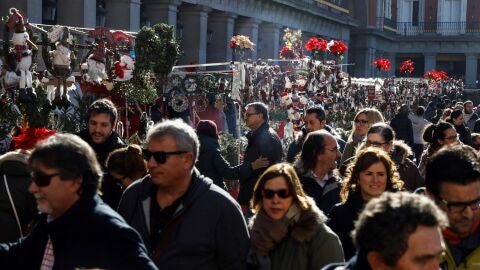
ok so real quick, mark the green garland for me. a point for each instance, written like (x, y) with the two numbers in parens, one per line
(141, 88)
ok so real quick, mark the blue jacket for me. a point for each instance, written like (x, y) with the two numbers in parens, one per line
(209, 231)
(89, 235)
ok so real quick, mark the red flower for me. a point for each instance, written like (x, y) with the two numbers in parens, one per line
(232, 44)
(287, 53)
(382, 64)
(314, 44)
(29, 137)
(337, 47)
(407, 66)
(436, 75)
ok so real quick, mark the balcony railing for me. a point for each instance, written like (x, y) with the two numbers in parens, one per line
(441, 28)
(386, 23)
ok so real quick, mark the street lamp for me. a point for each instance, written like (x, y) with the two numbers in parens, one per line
(49, 11)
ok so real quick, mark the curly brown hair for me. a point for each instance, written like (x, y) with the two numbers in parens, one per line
(363, 160)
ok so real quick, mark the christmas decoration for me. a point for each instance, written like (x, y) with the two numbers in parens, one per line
(382, 64)
(318, 46)
(407, 67)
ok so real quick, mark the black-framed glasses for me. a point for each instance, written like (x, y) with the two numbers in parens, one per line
(375, 144)
(42, 180)
(160, 156)
(363, 122)
(459, 207)
(282, 193)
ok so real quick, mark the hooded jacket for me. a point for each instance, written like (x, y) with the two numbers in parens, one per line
(208, 228)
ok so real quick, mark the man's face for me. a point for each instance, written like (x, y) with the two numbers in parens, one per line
(468, 108)
(330, 154)
(424, 250)
(460, 221)
(57, 197)
(100, 127)
(312, 123)
(176, 167)
(253, 119)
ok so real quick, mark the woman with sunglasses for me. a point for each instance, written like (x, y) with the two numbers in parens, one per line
(437, 136)
(370, 174)
(361, 123)
(288, 231)
(382, 135)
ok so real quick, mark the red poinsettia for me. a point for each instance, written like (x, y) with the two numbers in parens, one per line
(287, 53)
(382, 64)
(337, 47)
(436, 75)
(29, 137)
(315, 44)
(407, 66)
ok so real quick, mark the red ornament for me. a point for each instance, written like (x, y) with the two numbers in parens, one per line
(382, 64)
(407, 66)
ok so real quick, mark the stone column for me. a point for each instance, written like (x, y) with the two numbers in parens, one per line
(471, 68)
(370, 57)
(219, 33)
(80, 13)
(162, 11)
(249, 27)
(194, 40)
(268, 40)
(123, 14)
(430, 61)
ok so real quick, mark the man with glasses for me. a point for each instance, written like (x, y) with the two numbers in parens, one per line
(75, 228)
(186, 221)
(263, 141)
(453, 182)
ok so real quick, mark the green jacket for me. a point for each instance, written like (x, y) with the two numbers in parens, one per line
(472, 262)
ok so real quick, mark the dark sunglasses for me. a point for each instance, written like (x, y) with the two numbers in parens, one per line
(160, 156)
(42, 180)
(282, 193)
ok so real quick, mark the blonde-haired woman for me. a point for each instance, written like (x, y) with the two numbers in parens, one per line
(362, 121)
(370, 174)
(288, 231)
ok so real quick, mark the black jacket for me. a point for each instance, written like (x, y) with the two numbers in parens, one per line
(103, 149)
(212, 164)
(261, 142)
(89, 235)
(325, 197)
(341, 220)
(402, 125)
(464, 134)
(208, 228)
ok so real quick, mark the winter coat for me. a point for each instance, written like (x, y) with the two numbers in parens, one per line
(212, 164)
(103, 149)
(261, 142)
(208, 230)
(325, 197)
(350, 148)
(14, 169)
(341, 220)
(471, 261)
(471, 121)
(402, 125)
(464, 134)
(425, 159)
(418, 124)
(89, 235)
(309, 243)
(357, 262)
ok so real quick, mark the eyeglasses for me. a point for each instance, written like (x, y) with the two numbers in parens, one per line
(452, 138)
(459, 207)
(42, 180)
(375, 144)
(363, 122)
(335, 149)
(250, 114)
(282, 193)
(160, 156)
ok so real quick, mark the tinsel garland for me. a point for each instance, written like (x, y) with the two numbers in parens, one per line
(141, 88)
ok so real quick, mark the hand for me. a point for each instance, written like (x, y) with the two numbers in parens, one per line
(260, 162)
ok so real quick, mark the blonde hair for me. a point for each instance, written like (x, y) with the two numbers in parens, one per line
(373, 116)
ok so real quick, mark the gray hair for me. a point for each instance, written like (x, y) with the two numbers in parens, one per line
(183, 134)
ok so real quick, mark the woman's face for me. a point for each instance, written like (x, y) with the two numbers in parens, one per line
(373, 181)
(458, 121)
(361, 125)
(277, 197)
(450, 136)
(376, 140)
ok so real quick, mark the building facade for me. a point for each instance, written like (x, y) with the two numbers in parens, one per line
(435, 34)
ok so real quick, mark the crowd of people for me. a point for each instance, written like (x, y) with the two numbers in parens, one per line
(398, 194)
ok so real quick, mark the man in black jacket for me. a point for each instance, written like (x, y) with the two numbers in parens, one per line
(75, 228)
(186, 221)
(101, 136)
(263, 141)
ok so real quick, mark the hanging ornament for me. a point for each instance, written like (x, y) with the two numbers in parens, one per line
(178, 101)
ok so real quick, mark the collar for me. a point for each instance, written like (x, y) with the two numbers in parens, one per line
(317, 179)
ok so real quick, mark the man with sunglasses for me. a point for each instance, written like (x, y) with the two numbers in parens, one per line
(101, 136)
(75, 229)
(186, 221)
(453, 182)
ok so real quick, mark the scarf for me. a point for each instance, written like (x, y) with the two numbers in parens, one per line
(455, 238)
(266, 232)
